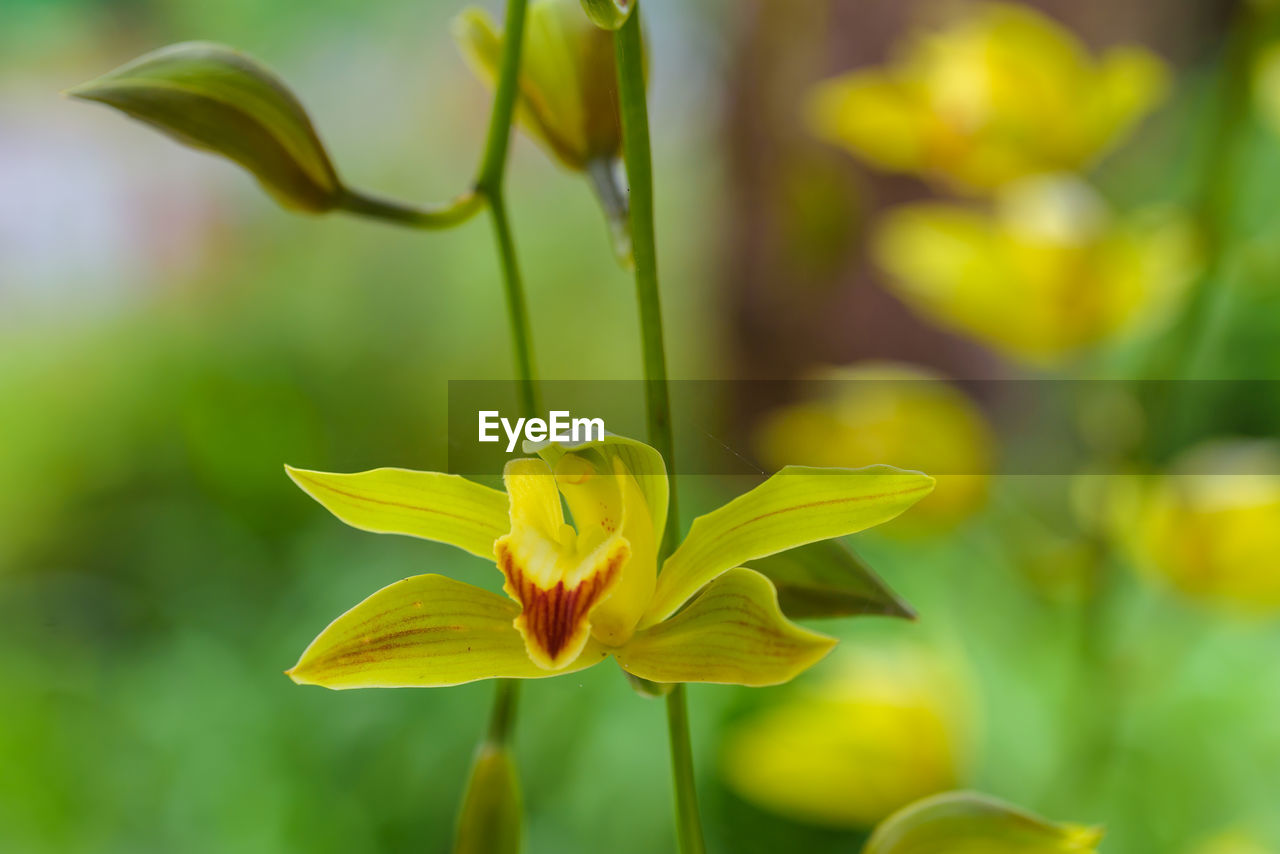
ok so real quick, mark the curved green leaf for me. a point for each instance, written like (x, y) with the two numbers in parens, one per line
(828, 579)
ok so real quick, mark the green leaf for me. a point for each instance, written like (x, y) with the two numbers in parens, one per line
(967, 822)
(797, 506)
(216, 99)
(732, 634)
(827, 579)
(490, 818)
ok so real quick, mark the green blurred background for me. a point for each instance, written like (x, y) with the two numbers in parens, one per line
(169, 338)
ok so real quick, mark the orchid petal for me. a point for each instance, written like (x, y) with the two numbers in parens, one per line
(643, 462)
(733, 633)
(424, 631)
(441, 507)
(556, 575)
(797, 506)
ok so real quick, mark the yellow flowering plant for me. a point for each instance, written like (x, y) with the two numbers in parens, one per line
(995, 93)
(577, 595)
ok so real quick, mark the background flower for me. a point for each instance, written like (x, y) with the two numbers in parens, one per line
(996, 92)
(888, 724)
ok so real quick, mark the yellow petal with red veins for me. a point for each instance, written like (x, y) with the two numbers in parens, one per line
(557, 576)
(603, 502)
(423, 631)
(733, 633)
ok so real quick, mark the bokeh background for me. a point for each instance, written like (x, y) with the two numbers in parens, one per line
(169, 338)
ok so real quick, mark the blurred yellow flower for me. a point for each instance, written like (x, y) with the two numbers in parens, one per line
(1266, 85)
(1211, 527)
(883, 731)
(998, 92)
(1048, 272)
(876, 411)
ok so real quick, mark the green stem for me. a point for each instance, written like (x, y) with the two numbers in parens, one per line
(629, 50)
(688, 822)
(493, 165)
(503, 714)
(490, 184)
(517, 313)
(454, 213)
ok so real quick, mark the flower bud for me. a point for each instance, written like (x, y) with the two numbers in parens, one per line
(962, 822)
(489, 821)
(568, 99)
(568, 94)
(216, 99)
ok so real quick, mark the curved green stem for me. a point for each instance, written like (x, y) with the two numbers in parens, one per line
(629, 50)
(493, 165)
(490, 184)
(517, 313)
(448, 215)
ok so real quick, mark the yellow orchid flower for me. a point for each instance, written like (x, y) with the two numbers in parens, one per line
(885, 728)
(999, 92)
(1046, 273)
(889, 411)
(1210, 528)
(576, 594)
(568, 94)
